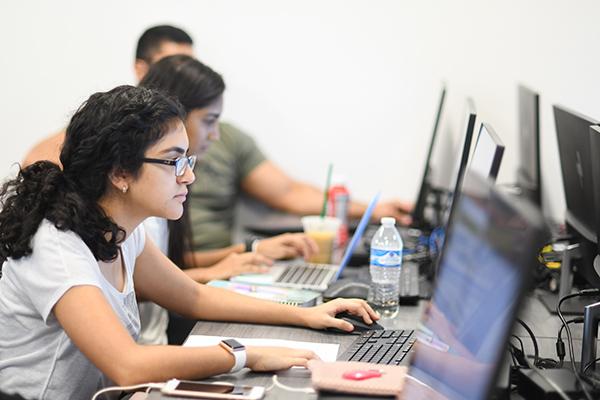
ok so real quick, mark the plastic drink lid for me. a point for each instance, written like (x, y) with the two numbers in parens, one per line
(388, 221)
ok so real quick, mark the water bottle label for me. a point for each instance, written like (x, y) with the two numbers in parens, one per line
(386, 258)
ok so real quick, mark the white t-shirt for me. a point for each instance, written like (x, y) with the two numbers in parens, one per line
(154, 318)
(37, 358)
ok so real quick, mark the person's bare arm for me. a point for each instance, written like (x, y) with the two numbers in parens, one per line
(206, 258)
(272, 186)
(94, 328)
(47, 149)
(232, 265)
(269, 184)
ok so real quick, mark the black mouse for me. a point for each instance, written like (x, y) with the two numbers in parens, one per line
(359, 324)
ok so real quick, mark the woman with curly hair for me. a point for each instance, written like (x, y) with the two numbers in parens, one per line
(75, 258)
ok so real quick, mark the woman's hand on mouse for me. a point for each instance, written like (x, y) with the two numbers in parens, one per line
(323, 316)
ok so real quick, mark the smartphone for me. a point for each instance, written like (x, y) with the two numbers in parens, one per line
(209, 390)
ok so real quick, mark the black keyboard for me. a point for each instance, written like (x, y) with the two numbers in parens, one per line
(381, 347)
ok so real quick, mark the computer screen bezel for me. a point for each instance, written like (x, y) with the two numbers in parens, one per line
(418, 214)
(498, 153)
(595, 144)
(574, 221)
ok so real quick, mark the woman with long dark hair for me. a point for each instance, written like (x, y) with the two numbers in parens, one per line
(200, 90)
(75, 258)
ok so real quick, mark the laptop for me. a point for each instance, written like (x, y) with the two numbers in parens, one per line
(302, 275)
(458, 347)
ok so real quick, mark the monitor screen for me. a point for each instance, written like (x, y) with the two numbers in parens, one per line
(595, 153)
(528, 168)
(573, 134)
(487, 154)
(460, 159)
(419, 211)
(483, 273)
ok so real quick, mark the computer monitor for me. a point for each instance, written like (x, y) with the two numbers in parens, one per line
(484, 272)
(488, 152)
(573, 134)
(595, 153)
(461, 159)
(418, 214)
(529, 176)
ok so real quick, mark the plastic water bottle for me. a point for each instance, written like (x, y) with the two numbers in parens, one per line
(386, 263)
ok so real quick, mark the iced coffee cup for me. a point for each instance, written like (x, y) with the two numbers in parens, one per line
(323, 230)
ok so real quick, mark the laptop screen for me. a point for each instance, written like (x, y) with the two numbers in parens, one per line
(462, 334)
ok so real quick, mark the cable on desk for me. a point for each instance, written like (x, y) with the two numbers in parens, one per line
(585, 292)
(536, 350)
(289, 388)
(549, 381)
(590, 364)
(560, 345)
(126, 388)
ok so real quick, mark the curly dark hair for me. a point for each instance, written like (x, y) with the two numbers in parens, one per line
(109, 133)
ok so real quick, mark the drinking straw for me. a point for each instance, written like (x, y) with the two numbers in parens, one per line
(326, 193)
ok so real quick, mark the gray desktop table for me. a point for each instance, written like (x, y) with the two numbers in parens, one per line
(407, 319)
(544, 325)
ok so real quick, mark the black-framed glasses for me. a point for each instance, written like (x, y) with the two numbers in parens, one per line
(180, 163)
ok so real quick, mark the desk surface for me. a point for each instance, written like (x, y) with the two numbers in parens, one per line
(544, 325)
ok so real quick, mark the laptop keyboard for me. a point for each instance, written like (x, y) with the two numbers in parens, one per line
(381, 347)
(305, 274)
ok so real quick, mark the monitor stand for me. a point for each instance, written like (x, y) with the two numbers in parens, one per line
(572, 306)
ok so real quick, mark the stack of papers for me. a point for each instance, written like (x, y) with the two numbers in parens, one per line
(325, 351)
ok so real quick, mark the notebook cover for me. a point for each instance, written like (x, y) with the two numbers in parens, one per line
(295, 297)
(328, 376)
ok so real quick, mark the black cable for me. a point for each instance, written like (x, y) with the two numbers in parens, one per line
(517, 354)
(549, 381)
(577, 320)
(590, 364)
(586, 292)
(560, 346)
(536, 350)
(520, 342)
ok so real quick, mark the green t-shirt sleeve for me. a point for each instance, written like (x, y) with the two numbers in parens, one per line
(247, 153)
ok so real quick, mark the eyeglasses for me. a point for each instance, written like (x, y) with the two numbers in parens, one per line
(180, 163)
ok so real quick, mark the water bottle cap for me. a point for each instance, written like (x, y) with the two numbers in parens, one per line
(388, 221)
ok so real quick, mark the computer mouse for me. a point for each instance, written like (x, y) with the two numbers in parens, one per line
(348, 289)
(359, 324)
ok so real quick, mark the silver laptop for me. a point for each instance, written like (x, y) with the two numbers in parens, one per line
(302, 275)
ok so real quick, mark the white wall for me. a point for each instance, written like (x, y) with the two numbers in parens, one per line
(349, 82)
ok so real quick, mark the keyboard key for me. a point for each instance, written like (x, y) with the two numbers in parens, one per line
(384, 347)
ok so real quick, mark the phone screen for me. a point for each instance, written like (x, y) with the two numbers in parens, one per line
(214, 388)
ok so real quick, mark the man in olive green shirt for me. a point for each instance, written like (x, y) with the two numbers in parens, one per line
(234, 164)
(218, 186)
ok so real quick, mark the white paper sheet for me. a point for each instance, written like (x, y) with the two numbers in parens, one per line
(325, 351)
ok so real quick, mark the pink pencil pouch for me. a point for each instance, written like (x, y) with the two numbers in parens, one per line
(329, 376)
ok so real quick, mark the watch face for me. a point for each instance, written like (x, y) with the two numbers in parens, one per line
(234, 344)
